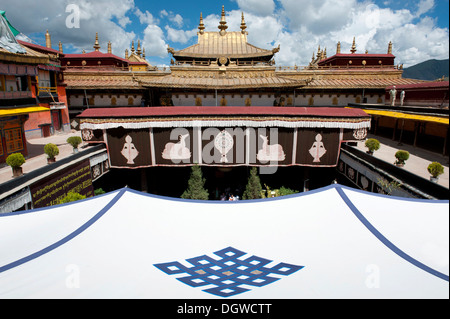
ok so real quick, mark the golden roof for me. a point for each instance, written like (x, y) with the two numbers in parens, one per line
(223, 44)
(231, 44)
(31, 56)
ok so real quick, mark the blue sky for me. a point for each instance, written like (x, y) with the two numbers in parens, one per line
(419, 29)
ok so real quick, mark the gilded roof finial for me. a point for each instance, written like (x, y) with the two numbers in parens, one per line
(138, 51)
(48, 41)
(109, 47)
(390, 48)
(132, 47)
(201, 26)
(126, 54)
(96, 45)
(60, 47)
(338, 49)
(243, 24)
(223, 23)
(353, 50)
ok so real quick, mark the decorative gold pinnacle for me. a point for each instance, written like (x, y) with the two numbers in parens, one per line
(390, 48)
(353, 50)
(201, 26)
(138, 51)
(338, 49)
(96, 45)
(48, 41)
(243, 24)
(223, 23)
(109, 47)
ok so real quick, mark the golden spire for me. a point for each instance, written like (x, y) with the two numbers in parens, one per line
(48, 41)
(96, 45)
(319, 53)
(243, 24)
(338, 49)
(138, 51)
(126, 54)
(60, 47)
(223, 23)
(353, 50)
(201, 26)
(109, 47)
(132, 47)
(390, 48)
(325, 53)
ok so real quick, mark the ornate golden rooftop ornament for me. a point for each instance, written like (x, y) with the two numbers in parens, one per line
(201, 26)
(319, 53)
(48, 41)
(96, 45)
(132, 47)
(390, 48)
(338, 49)
(243, 24)
(353, 50)
(60, 47)
(109, 47)
(223, 23)
(126, 54)
(276, 50)
(138, 51)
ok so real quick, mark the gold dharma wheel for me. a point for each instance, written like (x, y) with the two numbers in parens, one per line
(223, 60)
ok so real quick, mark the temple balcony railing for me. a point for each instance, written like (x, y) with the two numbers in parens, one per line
(112, 68)
(338, 67)
(47, 89)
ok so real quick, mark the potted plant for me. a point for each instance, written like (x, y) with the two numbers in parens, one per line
(372, 144)
(74, 141)
(51, 150)
(401, 156)
(15, 160)
(435, 169)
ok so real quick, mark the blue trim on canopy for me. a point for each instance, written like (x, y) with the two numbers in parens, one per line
(67, 238)
(385, 241)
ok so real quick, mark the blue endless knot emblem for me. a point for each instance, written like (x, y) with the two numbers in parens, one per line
(229, 273)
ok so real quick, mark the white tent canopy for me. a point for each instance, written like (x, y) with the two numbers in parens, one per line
(334, 242)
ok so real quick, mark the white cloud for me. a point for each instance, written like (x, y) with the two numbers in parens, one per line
(326, 22)
(145, 17)
(177, 19)
(180, 36)
(124, 21)
(424, 6)
(154, 42)
(257, 7)
(318, 17)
